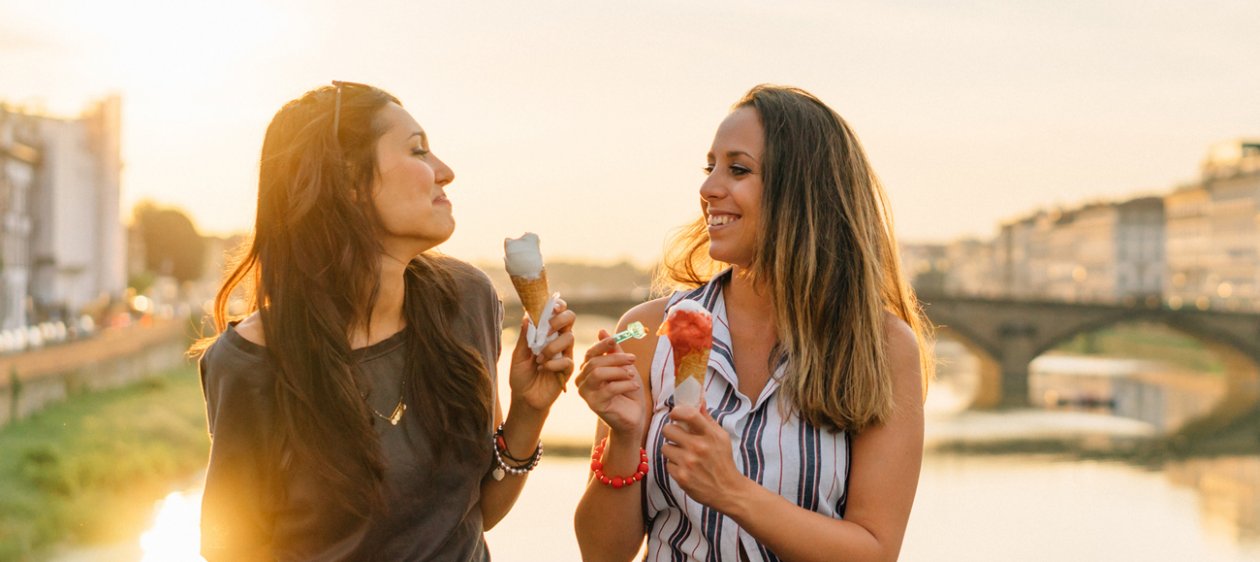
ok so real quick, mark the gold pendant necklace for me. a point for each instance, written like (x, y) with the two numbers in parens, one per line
(394, 417)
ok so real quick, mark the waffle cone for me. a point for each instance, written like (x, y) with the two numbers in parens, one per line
(533, 294)
(694, 365)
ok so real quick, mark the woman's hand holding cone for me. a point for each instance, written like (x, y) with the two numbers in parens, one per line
(699, 456)
(537, 381)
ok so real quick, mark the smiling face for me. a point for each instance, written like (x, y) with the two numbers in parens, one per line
(409, 192)
(731, 195)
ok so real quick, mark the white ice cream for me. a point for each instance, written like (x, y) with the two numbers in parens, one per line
(522, 256)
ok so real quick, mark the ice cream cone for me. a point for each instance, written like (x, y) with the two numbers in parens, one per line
(689, 327)
(692, 365)
(523, 260)
(533, 293)
(689, 372)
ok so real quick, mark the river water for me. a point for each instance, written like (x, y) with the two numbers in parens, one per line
(1009, 507)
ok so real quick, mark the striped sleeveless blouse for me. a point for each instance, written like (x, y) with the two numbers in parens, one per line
(805, 464)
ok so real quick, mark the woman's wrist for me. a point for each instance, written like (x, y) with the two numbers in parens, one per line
(521, 408)
(621, 452)
(740, 499)
(628, 437)
(613, 479)
(522, 429)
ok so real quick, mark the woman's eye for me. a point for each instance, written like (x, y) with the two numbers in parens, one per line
(739, 170)
(708, 169)
(420, 152)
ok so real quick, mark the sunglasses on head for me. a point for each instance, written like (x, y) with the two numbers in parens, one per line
(337, 104)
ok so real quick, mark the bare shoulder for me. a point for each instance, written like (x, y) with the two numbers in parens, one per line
(251, 329)
(650, 313)
(899, 336)
(903, 355)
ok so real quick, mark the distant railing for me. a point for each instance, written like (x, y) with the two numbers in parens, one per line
(18, 340)
(36, 378)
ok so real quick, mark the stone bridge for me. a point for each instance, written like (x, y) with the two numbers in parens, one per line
(1006, 335)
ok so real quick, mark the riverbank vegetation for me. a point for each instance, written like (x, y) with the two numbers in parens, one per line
(1215, 435)
(89, 470)
(1148, 341)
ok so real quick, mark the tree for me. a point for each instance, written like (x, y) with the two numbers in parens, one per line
(171, 243)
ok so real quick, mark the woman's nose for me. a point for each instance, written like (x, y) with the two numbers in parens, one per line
(442, 174)
(711, 188)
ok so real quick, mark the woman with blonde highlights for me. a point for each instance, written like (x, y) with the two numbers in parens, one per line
(352, 411)
(810, 439)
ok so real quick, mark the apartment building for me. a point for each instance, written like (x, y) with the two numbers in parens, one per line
(1213, 231)
(62, 246)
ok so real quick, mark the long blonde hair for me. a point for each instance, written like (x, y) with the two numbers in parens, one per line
(826, 253)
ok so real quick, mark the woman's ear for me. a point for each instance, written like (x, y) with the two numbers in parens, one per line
(360, 191)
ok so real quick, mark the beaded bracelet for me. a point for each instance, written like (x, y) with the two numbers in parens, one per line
(501, 451)
(597, 467)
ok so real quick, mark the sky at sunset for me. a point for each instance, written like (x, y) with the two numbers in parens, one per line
(590, 124)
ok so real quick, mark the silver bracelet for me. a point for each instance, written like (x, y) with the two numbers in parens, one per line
(499, 444)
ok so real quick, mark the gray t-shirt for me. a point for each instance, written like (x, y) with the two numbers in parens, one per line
(433, 509)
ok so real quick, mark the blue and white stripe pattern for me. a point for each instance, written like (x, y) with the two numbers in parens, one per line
(807, 465)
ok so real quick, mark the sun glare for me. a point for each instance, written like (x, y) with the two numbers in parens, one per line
(148, 43)
(176, 534)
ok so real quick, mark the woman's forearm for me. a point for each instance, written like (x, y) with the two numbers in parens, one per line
(609, 521)
(796, 534)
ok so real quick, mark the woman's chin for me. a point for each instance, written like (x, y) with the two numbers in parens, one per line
(739, 259)
(431, 243)
(416, 243)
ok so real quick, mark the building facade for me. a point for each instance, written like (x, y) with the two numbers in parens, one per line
(973, 268)
(63, 239)
(1100, 252)
(1214, 232)
(19, 164)
(1198, 246)
(1022, 256)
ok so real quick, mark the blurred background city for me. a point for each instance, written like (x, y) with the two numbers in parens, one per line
(1077, 190)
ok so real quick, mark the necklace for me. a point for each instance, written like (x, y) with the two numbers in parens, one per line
(399, 409)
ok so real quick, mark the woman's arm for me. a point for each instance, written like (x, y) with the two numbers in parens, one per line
(882, 479)
(615, 382)
(234, 525)
(534, 388)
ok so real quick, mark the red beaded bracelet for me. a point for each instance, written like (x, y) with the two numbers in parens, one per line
(597, 467)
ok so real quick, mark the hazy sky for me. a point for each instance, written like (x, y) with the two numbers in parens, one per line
(589, 124)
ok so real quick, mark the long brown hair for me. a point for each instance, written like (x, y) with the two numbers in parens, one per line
(826, 252)
(312, 271)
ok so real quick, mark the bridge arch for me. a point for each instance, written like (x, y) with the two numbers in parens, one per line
(1006, 335)
(988, 365)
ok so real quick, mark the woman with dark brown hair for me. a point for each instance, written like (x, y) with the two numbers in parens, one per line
(809, 439)
(353, 412)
